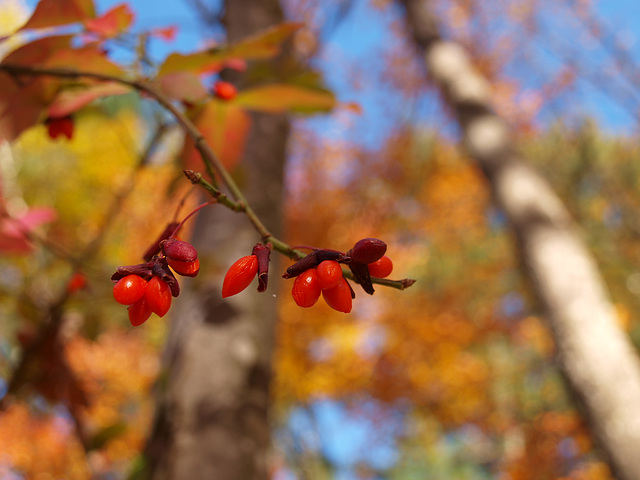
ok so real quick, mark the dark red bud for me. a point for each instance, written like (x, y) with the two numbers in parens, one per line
(367, 250)
(179, 250)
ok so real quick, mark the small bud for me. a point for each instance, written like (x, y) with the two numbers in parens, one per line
(262, 253)
(367, 250)
(179, 250)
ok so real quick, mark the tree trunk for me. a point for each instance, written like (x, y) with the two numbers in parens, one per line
(596, 356)
(213, 403)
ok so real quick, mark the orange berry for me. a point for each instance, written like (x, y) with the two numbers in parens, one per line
(158, 296)
(329, 274)
(224, 90)
(139, 312)
(129, 289)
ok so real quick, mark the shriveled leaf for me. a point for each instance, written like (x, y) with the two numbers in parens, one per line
(69, 101)
(112, 23)
(262, 45)
(184, 86)
(278, 98)
(225, 127)
(88, 59)
(52, 13)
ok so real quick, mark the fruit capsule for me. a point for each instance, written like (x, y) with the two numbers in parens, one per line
(129, 289)
(339, 297)
(367, 250)
(239, 276)
(306, 289)
(381, 268)
(329, 274)
(158, 296)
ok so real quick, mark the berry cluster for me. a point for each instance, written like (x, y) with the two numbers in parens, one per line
(319, 273)
(149, 287)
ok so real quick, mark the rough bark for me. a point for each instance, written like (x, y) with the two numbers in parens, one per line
(596, 356)
(213, 402)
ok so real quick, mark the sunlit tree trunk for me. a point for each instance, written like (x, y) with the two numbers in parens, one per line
(212, 418)
(597, 358)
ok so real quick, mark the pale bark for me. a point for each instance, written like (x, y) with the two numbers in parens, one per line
(596, 356)
(212, 419)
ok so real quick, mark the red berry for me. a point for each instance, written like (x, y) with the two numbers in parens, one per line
(368, 250)
(329, 274)
(339, 297)
(239, 276)
(60, 126)
(139, 312)
(188, 269)
(306, 289)
(77, 282)
(129, 289)
(381, 268)
(224, 90)
(158, 296)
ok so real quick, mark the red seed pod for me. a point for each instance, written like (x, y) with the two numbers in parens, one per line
(381, 268)
(188, 269)
(329, 274)
(224, 90)
(367, 250)
(139, 312)
(179, 250)
(239, 276)
(129, 289)
(339, 297)
(306, 289)
(158, 296)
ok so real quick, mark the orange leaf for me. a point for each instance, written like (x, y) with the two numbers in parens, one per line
(183, 86)
(282, 98)
(89, 59)
(166, 33)
(51, 13)
(38, 51)
(225, 127)
(69, 101)
(112, 23)
(262, 45)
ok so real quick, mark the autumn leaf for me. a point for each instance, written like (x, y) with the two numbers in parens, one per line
(20, 106)
(89, 59)
(69, 101)
(14, 231)
(278, 98)
(184, 86)
(224, 127)
(262, 45)
(38, 51)
(112, 23)
(52, 13)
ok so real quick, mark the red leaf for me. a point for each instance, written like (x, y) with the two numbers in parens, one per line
(69, 101)
(14, 232)
(51, 13)
(20, 107)
(112, 23)
(38, 51)
(167, 33)
(89, 58)
(225, 128)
